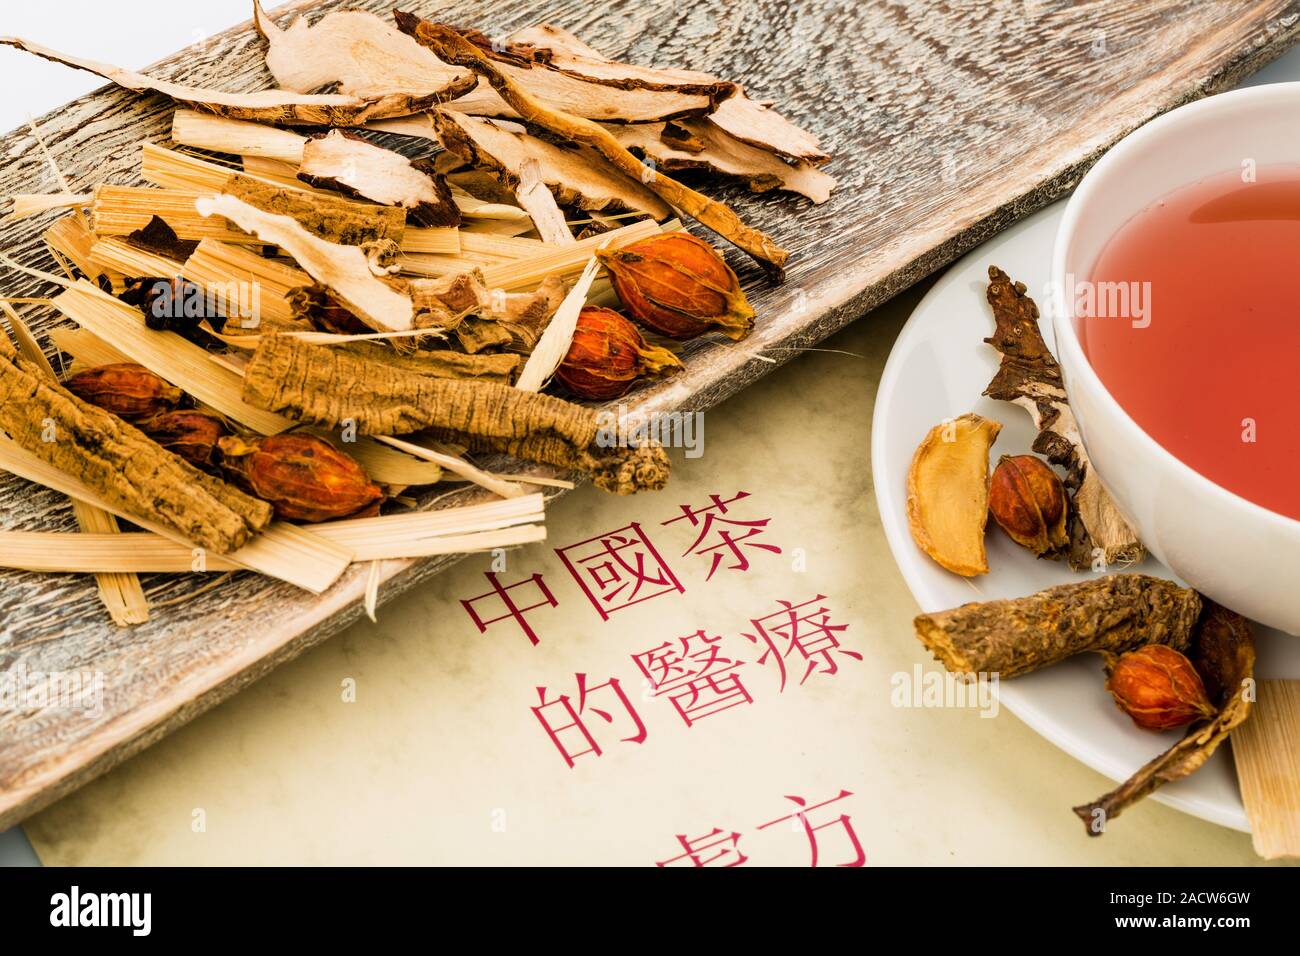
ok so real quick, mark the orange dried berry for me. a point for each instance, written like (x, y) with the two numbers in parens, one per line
(1159, 688)
(191, 434)
(304, 477)
(608, 354)
(1027, 500)
(679, 286)
(127, 390)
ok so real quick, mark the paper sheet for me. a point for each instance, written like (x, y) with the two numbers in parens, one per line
(770, 737)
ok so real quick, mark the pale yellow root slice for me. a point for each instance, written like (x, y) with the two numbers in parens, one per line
(948, 493)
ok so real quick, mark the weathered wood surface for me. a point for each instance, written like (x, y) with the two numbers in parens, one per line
(947, 123)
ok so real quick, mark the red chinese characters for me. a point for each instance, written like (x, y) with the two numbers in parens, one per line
(513, 610)
(730, 533)
(842, 822)
(619, 569)
(694, 675)
(716, 848)
(803, 629)
(719, 847)
(573, 738)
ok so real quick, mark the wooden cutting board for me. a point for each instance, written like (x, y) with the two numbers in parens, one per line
(947, 123)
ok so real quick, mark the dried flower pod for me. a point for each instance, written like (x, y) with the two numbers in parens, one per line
(127, 390)
(1027, 500)
(1159, 688)
(608, 354)
(304, 477)
(679, 286)
(189, 433)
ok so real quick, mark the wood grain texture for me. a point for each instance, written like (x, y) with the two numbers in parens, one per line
(947, 122)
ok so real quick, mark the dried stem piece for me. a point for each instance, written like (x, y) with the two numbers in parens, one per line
(1029, 377)
(272, 106)
(327, 387)
(452, 47)
(1223, 652)
(1112, 614)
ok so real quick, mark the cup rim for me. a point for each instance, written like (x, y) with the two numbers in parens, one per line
(1067, 339)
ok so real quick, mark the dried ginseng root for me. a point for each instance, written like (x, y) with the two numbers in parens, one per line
(304, 477)
(948, 493)
(607, 355)
(1111, 615)
(678, 285)
(1030, 377)
(1223, 653)
(129, 470)
(327, 387)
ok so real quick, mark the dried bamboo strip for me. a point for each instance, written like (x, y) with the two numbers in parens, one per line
(451, 544)
(86, 347)
(282, 551)
(121, 594)
(117, 255)
(215, 263)
(71, 239)
(186, 365)
(118, 210)
(442, 240)
(223, 135)
(29, 204)
(457, 466)
(134, 552)
(1266, 750)
(565, 261)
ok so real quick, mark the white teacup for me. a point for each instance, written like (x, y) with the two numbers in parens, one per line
(1236, 552)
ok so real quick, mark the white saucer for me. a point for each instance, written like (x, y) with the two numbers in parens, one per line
(937, 369)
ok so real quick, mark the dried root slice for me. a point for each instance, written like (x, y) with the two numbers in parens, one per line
(128, 469)
(948, 493)
(451, 46)
(759, 125)
(346, 270)
(560, 50)
(1029, 377)
(327, 387)
(632, 101)
(1223, 652)
(698, 144)
(579, 178)
(1108, 615)
(359, 51)
(30, 204)
(271, 106)
(736, 114)
(350, 164)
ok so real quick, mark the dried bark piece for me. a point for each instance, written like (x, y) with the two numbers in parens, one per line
(334, 220)
(1112, 614)
(579, 177)
(350, 164)
(1030, 377)
(695, 143)
(362, 53)
(451, 46)
(326, 387)
(346, 270)
(159, 238)
(948, 493)
(268, 106)
(752, 122)
(561, 50)
(1223, 653)
(122, 464)
(736, 114)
